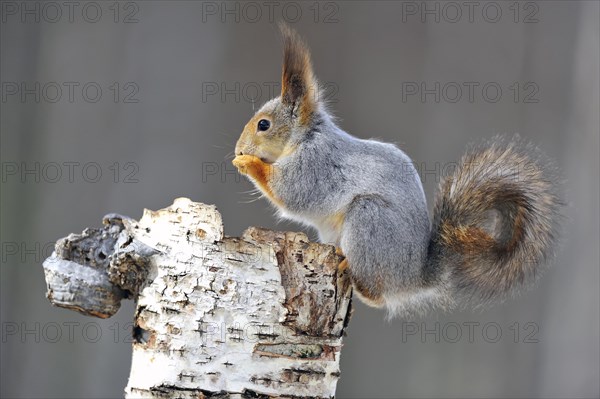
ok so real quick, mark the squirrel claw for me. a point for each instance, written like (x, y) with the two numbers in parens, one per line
(343, 265)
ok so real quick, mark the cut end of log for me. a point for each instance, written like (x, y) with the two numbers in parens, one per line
(77, 273)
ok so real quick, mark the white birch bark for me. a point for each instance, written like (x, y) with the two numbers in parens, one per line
(258, 316)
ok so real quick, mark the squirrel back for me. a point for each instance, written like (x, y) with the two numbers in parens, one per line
(493, 221)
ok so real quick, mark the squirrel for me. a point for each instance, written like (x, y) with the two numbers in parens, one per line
(494, 218)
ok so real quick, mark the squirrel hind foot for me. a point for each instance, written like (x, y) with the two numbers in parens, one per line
(343, 265)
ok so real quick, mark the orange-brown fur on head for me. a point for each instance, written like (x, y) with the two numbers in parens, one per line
(298, 84)
(291, 113)
(267, 145)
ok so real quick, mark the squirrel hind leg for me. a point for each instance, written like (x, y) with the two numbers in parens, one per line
(384, 250)
(368, 297)
(418, 301)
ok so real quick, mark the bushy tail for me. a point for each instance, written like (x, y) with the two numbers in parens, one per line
(494, 220)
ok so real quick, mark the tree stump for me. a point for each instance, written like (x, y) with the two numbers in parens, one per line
(258, 316)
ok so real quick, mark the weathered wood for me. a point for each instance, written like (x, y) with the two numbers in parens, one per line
(258, 316)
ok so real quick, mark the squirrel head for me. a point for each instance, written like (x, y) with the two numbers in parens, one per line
(279, 125)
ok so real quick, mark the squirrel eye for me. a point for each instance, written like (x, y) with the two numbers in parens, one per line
(263, 125)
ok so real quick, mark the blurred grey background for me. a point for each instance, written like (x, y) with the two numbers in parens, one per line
(116, 107)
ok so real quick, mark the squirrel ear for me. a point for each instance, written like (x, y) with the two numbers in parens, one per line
(298, 84)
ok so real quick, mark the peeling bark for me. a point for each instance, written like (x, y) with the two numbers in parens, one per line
(258, 316)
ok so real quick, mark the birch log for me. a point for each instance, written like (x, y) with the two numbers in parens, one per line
(258, 316)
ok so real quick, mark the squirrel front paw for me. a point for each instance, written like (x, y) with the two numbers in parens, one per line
(247, 163)
(260, 171)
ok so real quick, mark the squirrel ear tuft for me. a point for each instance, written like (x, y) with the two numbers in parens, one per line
(298, 84)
